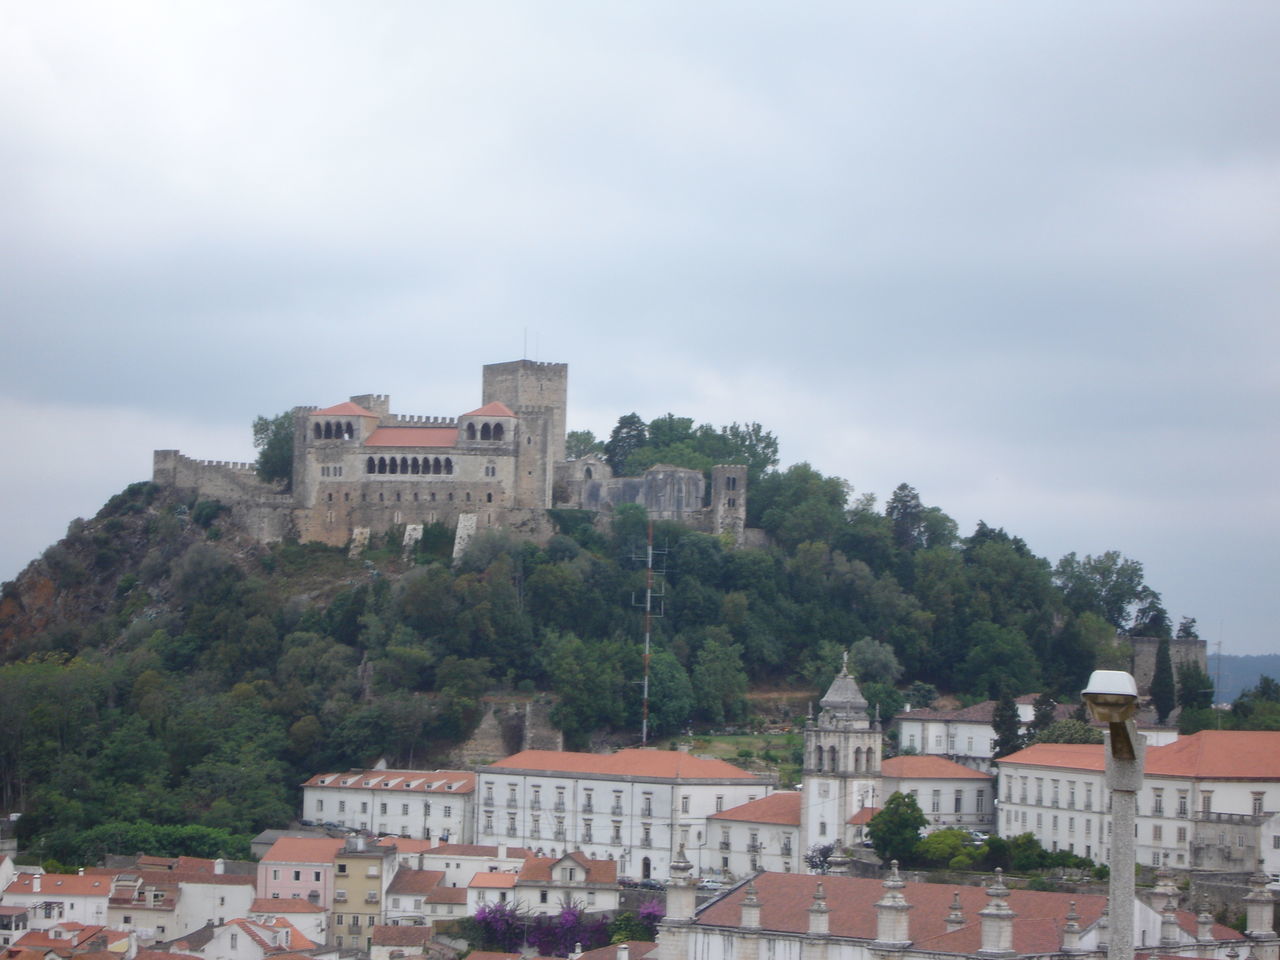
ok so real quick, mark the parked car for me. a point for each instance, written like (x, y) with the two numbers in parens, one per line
(708, 884)
(650, 883)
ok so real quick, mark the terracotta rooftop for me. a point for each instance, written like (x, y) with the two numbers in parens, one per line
(863, 816)
(782, 807)
(304, 850)
(646, 764)
(447, 895)
(785, 900)
(413, 437)
(402, 781)
(407, 936)
(488, 851)
(1207, 755)
(66, 884)
(541, 869)
(412, 882)
(928, 768)
(345, 409)
(496, 879)
(492, 955)
(494, 408)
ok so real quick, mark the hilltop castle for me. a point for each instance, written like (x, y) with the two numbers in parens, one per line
(360, 469)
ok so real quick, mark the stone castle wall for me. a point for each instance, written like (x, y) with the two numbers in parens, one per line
(1180, 651)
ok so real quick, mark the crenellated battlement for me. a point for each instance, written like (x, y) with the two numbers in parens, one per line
(417, 420)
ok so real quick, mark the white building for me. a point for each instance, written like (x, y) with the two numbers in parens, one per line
(404, 803)
(1208, 801)
(633, 806)
(545, 885)
(459, 862)
(759, 835)
(949, 794)
(51, 898)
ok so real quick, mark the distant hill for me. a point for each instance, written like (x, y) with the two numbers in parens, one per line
(1234, 674)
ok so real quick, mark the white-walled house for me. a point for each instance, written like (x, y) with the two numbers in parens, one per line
(309, 919)
(949, 794)
(299, 867)
(634, 806)
(545, 885)
(419, 804)
(1208, 801)
(52, 898)
(459, 862)
(761, 834)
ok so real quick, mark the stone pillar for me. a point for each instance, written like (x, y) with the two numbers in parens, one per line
(955, 919)
(819, 926)
(892, 923)
(1169, 933)
(673, 931)
(997, 921)
(749, 926)
(1104, 928)
(1071, 932)
(1204, 931)
(1259, 918)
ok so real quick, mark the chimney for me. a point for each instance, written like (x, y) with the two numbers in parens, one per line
(955, 919)
(1169, 924)
(502, 851)
(623, 952)
(35, 883)
(997, 921)
(892, 926)
(819, 913)
(219, 867)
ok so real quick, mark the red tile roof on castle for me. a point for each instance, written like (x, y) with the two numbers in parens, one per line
(928, 768)
(782, 808)
(1208, 755)
(636, 762)
(344, 409)
(785, 899)
(494, 408)
(413, 437)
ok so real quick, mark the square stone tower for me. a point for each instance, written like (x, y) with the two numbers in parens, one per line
(537, 393)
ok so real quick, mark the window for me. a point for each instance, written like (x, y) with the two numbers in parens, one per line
(935, 802)
(1257, 804)
(980, 801)
(1182, 835)
(1206, 801)
(382, 809)
(404, 809)
(297, 875)
(275, 874)
(319, 806)
(1182, 803)
(448, 812)
(342, 806)
(822, 828)
(1157, 833)
(1157, 803)
(719, 803)
(684, 803)
(646, 805)
(959, 801)
(315, 875)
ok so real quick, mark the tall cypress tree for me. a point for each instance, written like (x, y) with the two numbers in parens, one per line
(1005, 723)
(1163, 691)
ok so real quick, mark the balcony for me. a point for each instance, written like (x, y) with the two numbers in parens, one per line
(724, 844)
(512, 803)
(340, 896)
(488, 801)
(588, 808)
(371, 897)
(558, 835)
(754, 848)
(536, 804)
(559, 807)
(616, 810)
(586, 838)
(511, 831)
(646, 842)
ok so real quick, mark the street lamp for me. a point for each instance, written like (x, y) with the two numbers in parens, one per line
(1112, 698)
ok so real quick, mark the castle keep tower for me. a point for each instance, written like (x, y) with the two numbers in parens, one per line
(841, 762)
(537, 393)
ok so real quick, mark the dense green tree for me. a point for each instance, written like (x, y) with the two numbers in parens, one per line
(895, 830)
(1187, 629)
(719, 681)
(874, 661)
(273, 439)
(1108, 585)
(671, 699)
(1163, 692)
(1195, 687)
(1042, 717)
(940, 847)
(998, 656)
(629, 434)
(1068, 730)
(1150, 620)
(1005, 723)
(581, 443)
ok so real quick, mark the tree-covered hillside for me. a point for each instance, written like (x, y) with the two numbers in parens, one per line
(159, 667)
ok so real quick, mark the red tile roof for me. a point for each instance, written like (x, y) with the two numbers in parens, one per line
(344, 409)
(493, 880)
(413, 882)
(1207, 755)
(649, 764)
(782, 807)
(403, 781)
(494, 408)
(413, 437)
(304, 850)
(636, 949)
(541, 869)
(491, 955)
(863, 816)
(785, 900)
(67, 884)
(453, 849)
(928, 768)
(408, 936)
(447, 895)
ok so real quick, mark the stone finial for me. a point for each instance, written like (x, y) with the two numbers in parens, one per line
(997, 921)
(892, 922)
(750, 909)
(955, 919)
(838, 863)
(1259, 905)
(819, 921)
(1103, 927)
(680, 866)
(1232, 952)
(1071, 931)
(1204, 921)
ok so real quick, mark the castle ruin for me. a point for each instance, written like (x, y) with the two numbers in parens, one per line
(359, 469)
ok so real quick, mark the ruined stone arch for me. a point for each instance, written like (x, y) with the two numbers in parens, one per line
(413, 465)
(498, 431)
(448, 466)
(486, 432)
(319, 431)
(382, 464)
(393, 466)
(371, 466)
(349, 431)
(471, 431)
(435, 465)
(831, 760)
(404, 464)
(328, 430)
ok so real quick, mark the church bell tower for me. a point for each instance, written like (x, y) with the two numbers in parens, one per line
(842, 750)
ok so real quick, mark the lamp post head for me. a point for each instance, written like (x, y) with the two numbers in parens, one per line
(1112, 698)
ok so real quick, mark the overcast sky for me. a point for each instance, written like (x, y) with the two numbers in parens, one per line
(1024, 257)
